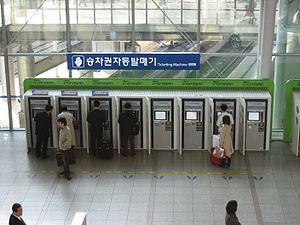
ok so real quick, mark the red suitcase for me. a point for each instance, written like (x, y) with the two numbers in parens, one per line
(214, 160)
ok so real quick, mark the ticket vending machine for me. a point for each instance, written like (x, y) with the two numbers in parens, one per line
(162, 123)
(231, 108)
(295, 144)
(106, 107)
(193, 124)
(75, 105)
(256, 124)
(137, 108)
(35, 103)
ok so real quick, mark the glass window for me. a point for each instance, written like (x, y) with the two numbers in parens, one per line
(3, 97)
(103, 17)
(120, 17)
(85, 16)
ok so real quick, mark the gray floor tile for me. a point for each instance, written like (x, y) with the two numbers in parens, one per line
(163, 187)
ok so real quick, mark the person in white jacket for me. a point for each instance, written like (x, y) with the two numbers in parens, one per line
(224, 113)
(70, 122)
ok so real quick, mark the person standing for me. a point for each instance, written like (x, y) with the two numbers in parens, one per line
(15, 218)
(224, 112)
(226, 142)
(43, 130)
(231, 218)
(96, 119)
(70, 121)
(64, 144)
(252, 5)
(127, 120)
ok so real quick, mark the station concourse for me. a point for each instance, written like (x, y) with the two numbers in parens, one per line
(161, 188)
(249, 59)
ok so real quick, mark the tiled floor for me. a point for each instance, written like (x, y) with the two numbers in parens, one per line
(162, 189)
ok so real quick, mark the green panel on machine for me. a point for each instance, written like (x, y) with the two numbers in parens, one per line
(180, 84)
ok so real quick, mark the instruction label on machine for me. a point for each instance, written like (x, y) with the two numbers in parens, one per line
(134, 61)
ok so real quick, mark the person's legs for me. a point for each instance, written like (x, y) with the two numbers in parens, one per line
(45, 147)
(93, 143)
(66, 164)
(228, 162)
(38, 145)
(131, 142)
(124, 143)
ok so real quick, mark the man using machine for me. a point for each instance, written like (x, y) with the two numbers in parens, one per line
(127, 121)
(43, 131)
(96, 119)
(224, 113)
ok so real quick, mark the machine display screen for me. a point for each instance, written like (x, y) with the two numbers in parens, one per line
(160, 115)
(192, 115)
(253, 116)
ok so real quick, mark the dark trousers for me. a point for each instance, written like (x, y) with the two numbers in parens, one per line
(41, 140)
(124, 144)
(96, 139)
(66, 163)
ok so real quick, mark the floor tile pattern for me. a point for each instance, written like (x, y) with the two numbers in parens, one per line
(163, 188)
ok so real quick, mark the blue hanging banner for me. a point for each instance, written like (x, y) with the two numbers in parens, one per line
(134, 61)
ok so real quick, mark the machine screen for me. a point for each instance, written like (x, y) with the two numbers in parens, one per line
(191, 115)
(160, 115)
(253, 116)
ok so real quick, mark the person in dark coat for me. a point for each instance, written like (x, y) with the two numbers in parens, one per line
(231, 218)
(15, 218)
(96, 119)
(43, 130)
(127, 120)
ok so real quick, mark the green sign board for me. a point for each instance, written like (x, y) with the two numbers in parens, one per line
(142, 84)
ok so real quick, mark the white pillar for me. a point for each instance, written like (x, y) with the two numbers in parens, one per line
(25, 65)
(268, 24)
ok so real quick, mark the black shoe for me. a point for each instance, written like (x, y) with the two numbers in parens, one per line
(124, 154)
(132, 153)
(68, 178)
(228, 163)
(46, 157)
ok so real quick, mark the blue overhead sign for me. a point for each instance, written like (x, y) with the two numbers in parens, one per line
(134, 61)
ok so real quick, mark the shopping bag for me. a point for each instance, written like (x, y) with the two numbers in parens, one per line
(216, 140)
(219, 152)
